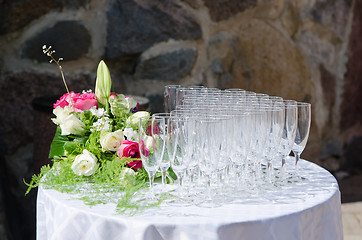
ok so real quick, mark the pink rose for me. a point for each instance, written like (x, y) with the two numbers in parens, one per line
(130, 149)
(65, 100)
(81, 102)
(84, 102)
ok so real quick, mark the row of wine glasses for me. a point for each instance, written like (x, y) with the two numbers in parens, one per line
(232, 141)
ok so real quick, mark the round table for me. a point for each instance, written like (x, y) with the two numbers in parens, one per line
(309, 210)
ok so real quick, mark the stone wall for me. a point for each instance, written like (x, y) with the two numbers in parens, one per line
(307, 50)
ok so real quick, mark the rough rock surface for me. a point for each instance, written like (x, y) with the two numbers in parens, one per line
(64, 36)
(222, 10)
(140, 24)
(15, 15)
(171, 66)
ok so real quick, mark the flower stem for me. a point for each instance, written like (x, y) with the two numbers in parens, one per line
(49, 52)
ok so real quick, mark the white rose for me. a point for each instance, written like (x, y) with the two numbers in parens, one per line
(131, 134)
(72, 125)
(61, 114)
(85, 164)
(133, 120)
(112, 140)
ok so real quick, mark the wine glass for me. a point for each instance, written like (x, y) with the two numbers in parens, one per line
(151, 146)
(302, 132)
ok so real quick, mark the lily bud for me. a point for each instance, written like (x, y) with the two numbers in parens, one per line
(103, 84)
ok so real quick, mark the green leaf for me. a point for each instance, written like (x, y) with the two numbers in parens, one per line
(57, 146)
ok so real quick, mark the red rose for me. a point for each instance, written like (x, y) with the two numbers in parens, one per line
(145, 151)
(153, 130)
(130, 149)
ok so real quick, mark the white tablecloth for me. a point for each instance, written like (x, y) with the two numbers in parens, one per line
(314, 215)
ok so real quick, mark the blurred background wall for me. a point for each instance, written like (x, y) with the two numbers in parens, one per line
(307, 50)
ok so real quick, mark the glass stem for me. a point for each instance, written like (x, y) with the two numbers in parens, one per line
(282, 170)
(297, 158)
(180, 183)
(209, 188)
(151, 177)
(163, 172)
(269, 169)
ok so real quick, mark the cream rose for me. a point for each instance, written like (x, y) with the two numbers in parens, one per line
(72, 125)
(112, 140)
(85, 164)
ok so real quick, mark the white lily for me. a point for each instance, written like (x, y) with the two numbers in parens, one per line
(103, 84)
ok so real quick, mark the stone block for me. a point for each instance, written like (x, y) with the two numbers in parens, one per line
(134, 26)
(270, 63)
(170, 66)
(70, 39)
(14, 15)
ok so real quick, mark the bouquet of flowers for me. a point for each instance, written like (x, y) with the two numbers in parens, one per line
(96, 140)
(96, 127)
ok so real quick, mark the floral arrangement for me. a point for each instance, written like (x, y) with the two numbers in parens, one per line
(96, 141)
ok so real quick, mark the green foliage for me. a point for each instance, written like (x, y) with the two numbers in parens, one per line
(119, 105)
(57, 146)
(120, 121)
(134, 202)
(88, 119)
(106, 185)
(36, 178)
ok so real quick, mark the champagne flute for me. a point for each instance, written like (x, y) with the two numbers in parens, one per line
(289, 132)
(302, 133)
(151, 146)
(177, 146)
(210, 141)
(166, 160)
(169, 95)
